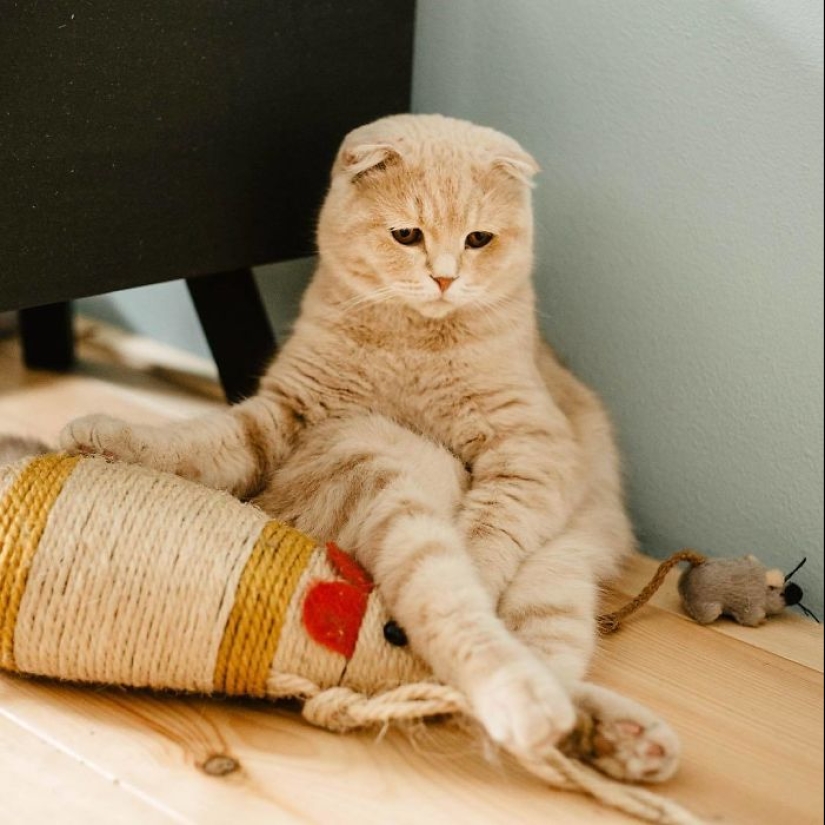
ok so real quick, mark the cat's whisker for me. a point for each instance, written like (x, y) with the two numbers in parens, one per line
(368, 298)
(492, 307)
(509, 302)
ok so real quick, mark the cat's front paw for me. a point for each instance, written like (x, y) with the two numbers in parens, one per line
(102, 435)
(523, 707)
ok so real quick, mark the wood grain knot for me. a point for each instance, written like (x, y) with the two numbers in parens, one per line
(220, 765)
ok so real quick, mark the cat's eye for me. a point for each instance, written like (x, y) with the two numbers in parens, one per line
(477, 240)
(408, 237)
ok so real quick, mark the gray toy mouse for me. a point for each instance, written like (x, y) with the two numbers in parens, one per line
(743, 589)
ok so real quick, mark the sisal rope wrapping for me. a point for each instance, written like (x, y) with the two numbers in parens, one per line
(115, 574)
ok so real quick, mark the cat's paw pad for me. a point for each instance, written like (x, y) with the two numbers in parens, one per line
(631, 752)
(627, 741)
(101, 435)
(524, 708)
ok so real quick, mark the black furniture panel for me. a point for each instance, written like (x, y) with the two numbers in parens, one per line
(144, 142)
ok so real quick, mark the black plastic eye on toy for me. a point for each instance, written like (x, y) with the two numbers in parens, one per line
(395, 635)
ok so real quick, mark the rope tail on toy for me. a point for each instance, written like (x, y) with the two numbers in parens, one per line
(610, 622)
(113, 574)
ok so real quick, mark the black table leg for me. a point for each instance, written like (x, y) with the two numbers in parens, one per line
(48, 337)
(237, 328)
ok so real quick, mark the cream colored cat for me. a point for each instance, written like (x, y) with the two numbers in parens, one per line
(416, 417)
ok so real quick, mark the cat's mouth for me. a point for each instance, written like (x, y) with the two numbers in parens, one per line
(430, 305)
(437, 307)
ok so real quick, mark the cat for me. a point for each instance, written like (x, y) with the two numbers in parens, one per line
(14, 448)
(416, 416)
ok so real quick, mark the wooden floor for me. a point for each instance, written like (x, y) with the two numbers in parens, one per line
(748, 703)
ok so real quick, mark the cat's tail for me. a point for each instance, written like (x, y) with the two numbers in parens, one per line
(13, 448)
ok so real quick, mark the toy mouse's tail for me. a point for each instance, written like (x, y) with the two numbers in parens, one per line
(609, 622)
(13, 448)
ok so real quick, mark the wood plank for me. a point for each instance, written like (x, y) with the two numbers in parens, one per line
(290, 772)
(751, 720)
(41, 403)
(41, 783)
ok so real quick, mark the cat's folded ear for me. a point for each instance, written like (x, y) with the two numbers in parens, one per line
(518, 164)
(356, 160)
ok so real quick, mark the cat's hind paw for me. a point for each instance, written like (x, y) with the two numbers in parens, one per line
(622, 738)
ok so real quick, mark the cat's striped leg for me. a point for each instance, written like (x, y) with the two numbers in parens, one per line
(430, 584)
(551, 606)
(232, 450)
(432, 588)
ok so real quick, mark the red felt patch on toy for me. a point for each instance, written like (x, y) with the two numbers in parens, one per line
(334, 611)
(349, 569)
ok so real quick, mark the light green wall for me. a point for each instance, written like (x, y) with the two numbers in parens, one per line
(679, 238)
(679, 241)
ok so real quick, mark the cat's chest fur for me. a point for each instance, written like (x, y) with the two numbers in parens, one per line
(437, 395)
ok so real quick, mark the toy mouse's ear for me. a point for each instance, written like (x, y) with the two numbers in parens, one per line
(358, 159)
(775, 578)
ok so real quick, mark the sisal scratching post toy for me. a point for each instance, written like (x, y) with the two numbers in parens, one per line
(114, 574)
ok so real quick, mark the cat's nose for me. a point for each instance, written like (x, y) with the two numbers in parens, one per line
(444, 270)
(444, 283)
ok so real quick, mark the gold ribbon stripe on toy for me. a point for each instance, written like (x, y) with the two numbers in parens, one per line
(24, 512)
(254, 628)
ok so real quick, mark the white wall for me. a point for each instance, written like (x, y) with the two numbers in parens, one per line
(680, 238)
